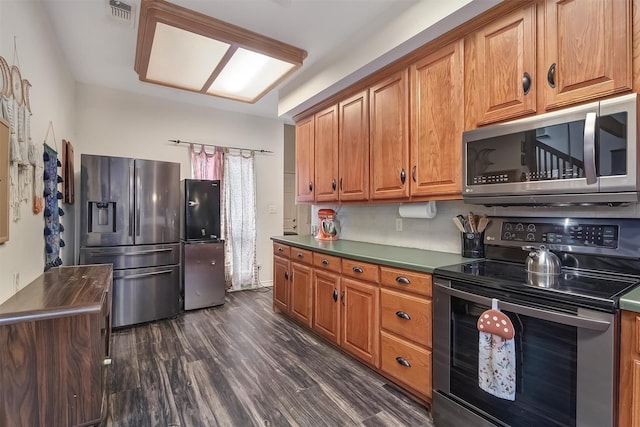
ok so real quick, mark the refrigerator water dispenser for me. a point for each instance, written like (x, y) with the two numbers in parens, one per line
(102, 218)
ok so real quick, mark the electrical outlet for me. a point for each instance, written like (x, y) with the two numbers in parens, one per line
(398, 224)
(16, 282)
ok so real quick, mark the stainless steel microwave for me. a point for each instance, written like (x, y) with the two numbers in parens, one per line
(577, 156)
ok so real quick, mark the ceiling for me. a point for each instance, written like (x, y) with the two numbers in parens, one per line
(345, 41)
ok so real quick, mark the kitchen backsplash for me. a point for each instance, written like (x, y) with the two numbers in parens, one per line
(377, 223)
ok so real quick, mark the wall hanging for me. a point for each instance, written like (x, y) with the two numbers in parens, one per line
(52, 211)
(25, 157)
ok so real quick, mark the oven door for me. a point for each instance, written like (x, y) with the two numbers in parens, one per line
(565, 367)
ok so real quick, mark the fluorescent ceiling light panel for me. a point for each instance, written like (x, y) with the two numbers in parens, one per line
(248, 74)
(180, 48)
(183, 59)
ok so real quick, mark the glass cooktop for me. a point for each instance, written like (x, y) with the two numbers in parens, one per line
(575, 287)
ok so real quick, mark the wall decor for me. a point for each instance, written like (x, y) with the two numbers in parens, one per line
(67, 173)
(25, 157)
(52, 212)
(4, 180)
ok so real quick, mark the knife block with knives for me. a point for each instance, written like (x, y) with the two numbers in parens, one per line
(472, 234)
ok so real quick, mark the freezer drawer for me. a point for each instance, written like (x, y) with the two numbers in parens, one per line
(145, 294)
(203, 268)
(123, 257)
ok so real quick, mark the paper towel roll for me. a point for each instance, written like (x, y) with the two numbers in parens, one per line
(418, 210)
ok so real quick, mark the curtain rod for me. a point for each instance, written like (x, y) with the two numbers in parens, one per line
(177, 141)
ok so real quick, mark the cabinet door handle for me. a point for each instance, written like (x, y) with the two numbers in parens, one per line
(325, 261)
(401, 314)
(413, 173)
(310, 186)
(403, 280)
(403, 176)
(286, 275)
(335, 295)
(358, 270)
(526, 83)
(402, 361)
(551, 75)
(106, 362)
(334, 185)
(342, 297)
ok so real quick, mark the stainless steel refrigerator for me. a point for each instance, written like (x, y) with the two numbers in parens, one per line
(130, 217)
(202, 250)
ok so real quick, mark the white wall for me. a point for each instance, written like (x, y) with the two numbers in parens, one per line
(116, 123)
(52, 99)
(377, 223)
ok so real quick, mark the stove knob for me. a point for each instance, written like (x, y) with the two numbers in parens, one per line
(506, 236)
(531, 237)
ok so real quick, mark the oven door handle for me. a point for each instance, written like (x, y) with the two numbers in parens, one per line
(551, 316)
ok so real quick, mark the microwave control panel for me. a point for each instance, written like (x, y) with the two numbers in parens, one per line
(592, 235)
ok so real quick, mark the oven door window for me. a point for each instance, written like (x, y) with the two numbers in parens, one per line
(546, 365)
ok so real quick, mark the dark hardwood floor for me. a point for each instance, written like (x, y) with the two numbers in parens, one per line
(242, 365)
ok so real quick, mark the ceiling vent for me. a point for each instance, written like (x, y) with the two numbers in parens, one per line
(122, 12)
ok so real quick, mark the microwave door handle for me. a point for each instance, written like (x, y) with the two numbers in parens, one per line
(590, 148)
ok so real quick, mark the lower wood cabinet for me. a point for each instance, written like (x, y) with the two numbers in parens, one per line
(360, 320)
(54, 349)
(629, 392)
(300, 307)
(380, 315)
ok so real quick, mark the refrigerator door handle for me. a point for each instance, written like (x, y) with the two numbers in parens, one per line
(137, 276)
(150, 251)
(131, 199)
(137, 204)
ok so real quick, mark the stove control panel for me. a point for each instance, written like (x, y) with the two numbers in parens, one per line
(592, 235)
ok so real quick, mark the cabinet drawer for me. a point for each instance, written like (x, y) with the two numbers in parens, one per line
(406, 362)
(280, 249)
(406, 315)
(360, 270)
(410, 281)
(326, 262)
(301, 255)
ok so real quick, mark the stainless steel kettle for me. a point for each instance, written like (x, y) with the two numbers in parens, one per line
(543, 266)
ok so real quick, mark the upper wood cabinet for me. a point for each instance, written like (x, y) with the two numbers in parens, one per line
(326, 155)
(587, 50)
(389, 137)
(353, 155)
(505, 65)
(437, 115)
(305, 131)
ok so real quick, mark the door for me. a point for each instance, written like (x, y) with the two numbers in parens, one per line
(202, 209)
(437, 115)
(389, 137)
(326, 155)
(587, 50)
(157, 202)
(305, 160)
(281, 275)
(326, 304)
(353, 137)
(301, 293)
(506, 67)
(360, 320)
(145, 294)
(203, 267)
(107, 198)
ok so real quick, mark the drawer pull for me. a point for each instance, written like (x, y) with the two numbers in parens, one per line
(358, 270)
(279, 249)
(335, 295)
(403, 315)
(403, 280)
(402, 361)
(300, 255)
(106, 362)
(325, 261)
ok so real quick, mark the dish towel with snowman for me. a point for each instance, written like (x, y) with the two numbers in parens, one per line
(496, 354)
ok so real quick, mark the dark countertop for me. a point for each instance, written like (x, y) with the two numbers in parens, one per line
(58, 292)
(394, 256)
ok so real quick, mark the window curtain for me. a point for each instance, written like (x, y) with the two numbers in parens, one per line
(239, 220)
(205, 165)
